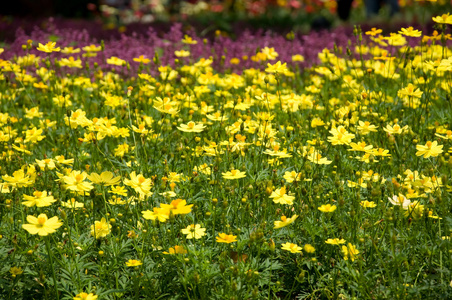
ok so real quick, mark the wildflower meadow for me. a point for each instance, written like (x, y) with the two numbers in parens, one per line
(268, 166)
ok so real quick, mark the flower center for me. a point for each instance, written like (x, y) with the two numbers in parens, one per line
(41, 220)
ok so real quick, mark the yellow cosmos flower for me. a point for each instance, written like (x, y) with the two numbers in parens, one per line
(141, 59)
(74, 181)
(280, 196)
(396, 129)
(327, 208)
(85, 296)
(233, 174)
(410, 31)
(19, 179)
(178, 207)
(182, 53)
(191, 127)
(133, 263)
(429, 149)
(188, 40)
(139, 183)
(366, 128)
(48, 48)
(72, 203)
(308, 248)
(194, 231)
(226, 238)
(276, 68)
(340, 136)
(443, 19)
(335, 241)
(100, 228)
(71, 62)
(298, 57)
(40, 199)
(374, 31)
(285, 221)
(368, 204)
(92, 48)
(70, 50)
(292, 176)
(116, 61)
(105, 178)
(160, 214)
(176, 250)
(42, 225)
(350, 252)
(292, 248)
(318, 159)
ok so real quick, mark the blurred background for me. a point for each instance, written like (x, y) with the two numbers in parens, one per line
(298, 15)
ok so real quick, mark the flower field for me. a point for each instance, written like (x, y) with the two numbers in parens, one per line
(173, 166)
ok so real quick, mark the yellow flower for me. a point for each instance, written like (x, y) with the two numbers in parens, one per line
(276, 68)
(368, 204)
(116, 61)
(298, 57)
(269, 53)
(396, 129)
(365, 127)
(285, 221)
(160, 214)
(444, 19)
(292, 176)
(74, 181)
(188, 40)
(42, 225)
(374, 31)
(194, 231)
(226, 238)
(410, 91)
(178, 207)
(71, 62)
(176, 250)
(15, 271)
(19, 179)
(233, 174)
(141, 59)
(191, 127)
(70, 50)
(92, 48)
(40, 199)
(133, 263)
(415, 210)
(280, 196)
(318, 159)
(410, 32)
(100, 228)
(340, 136)
(105, 178)
(430, 149)
(335, 241)
(72, 203)
(139, 183)
(182, 53)
(327, 208)
(293, 248)
(309, 248)
(46, 163)
(118, 190)
(350, 252)
(48, 48)
(85, 296)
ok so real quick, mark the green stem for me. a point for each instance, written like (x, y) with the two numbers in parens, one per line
(52, 266)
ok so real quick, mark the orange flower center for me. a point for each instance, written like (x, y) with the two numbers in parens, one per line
(79, 177)
(42, 220)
